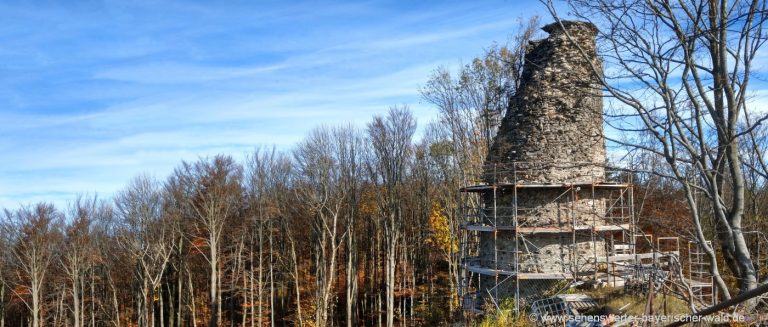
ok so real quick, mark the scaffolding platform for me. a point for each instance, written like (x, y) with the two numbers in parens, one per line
(549, 230)
(637, 256)
(501, 272)
(520, 213)
(480, 188)
(509, 224)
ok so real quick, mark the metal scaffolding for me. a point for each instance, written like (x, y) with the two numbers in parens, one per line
(493, 212)
(591, 218)
(700, 278)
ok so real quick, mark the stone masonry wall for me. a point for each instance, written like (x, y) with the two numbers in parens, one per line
(546, 208)
(552, 134)
(554, 121)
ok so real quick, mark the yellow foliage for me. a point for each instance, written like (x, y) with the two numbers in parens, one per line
(441, 231)
(369, 202)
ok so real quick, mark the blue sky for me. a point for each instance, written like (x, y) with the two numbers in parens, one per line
(93, 93)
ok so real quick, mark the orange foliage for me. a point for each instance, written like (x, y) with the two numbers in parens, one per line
(198, 244)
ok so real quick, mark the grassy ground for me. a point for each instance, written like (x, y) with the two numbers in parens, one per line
(635, 304)
(613, 297)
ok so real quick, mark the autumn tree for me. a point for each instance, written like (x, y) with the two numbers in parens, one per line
(34, 234)
(145, 237)
(214, 196)
(265, 182)
(390, 137)
(472, 101)
(324, 162)
(79, 253)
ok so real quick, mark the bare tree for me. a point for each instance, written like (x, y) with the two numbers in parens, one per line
(391, 138)
(34, 236)
(324, 162)
(350, 154)
(214, 194)
(678, 72)
(281, 183)
(265, 173)
(79, 253)
(145, 237)
(472, 102)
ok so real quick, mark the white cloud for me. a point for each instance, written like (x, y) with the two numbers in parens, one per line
(126, 93)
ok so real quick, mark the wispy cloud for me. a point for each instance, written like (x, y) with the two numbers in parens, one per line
(175, 73)
(94, 93)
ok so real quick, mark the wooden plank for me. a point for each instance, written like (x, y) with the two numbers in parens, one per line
(544, 276)
(479, 228)
(488, 228)
(568, 229)
(489, 271)
(629, 257)
(549, 230)
(502, 272)
(608, 228)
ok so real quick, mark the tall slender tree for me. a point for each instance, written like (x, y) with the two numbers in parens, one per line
(35, 235)
(391, 137)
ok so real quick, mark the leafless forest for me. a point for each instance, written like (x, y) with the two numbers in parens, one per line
(359, 226)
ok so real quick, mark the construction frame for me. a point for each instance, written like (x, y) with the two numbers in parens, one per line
(600, 241)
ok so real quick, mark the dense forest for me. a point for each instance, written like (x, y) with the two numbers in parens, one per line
(359, 225)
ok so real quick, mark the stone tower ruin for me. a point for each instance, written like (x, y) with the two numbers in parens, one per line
(555, 118)
(545, 208)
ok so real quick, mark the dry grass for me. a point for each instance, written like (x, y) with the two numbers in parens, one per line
(613, 297)
(635, 305)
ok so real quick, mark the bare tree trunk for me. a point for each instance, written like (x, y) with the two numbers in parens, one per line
(179, 289)
(93, 297)
(296, 281)
(36, 294)
(413, 283)
(247, 298)
(214, 284)
(377, 282)
(261, 273)
(57, 315)
(145, 300)
(351, 276)
(219, 307)
(271, 282)
(403, 276)
(115, 303)
(76, 296)
(252, 289)
(179, 284)
(390, 278)
(192, 298)
(162, 306)
(171, 306)
(2, 298)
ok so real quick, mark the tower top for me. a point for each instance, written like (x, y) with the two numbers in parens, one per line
(553, 128)
(570, 25)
